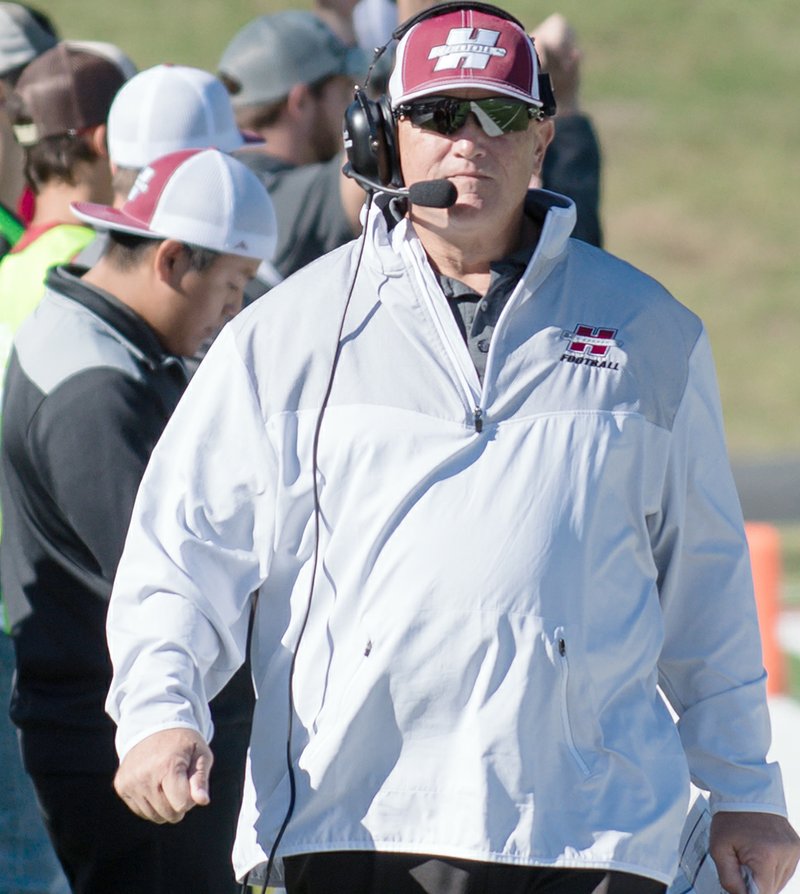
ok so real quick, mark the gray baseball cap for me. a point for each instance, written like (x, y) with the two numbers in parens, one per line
(274, 52)
(22, 37)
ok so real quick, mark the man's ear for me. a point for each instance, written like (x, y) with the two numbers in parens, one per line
(171, 263)
(545, 131)
(298, 99)
(97, 138)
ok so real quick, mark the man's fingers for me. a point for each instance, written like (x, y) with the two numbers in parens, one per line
(142, 808)
(764, 842)
(166, 775)
(198, 780)
(186, 784)
(730, 874)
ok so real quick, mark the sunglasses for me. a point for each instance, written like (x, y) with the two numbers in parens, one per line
(447, 114)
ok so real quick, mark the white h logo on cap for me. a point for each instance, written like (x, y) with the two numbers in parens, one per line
(464, 43)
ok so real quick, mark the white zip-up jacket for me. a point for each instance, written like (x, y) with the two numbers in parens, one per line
(506, 572)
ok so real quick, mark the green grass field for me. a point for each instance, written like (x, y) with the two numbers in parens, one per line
(696, 108)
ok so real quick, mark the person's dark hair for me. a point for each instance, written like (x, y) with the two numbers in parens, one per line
(56, 158)
(126, 251)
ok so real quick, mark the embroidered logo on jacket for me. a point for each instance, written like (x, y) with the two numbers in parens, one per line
(475, 46)
(589, 346)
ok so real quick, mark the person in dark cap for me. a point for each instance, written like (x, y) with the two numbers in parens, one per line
(58, 111)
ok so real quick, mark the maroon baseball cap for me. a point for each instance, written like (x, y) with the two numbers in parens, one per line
(65, 90)
(465, 48)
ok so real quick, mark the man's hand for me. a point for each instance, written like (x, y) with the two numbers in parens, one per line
(763, 841)
(165, 775)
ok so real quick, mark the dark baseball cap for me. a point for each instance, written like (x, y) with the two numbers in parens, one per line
(272, 53)
(65, 90)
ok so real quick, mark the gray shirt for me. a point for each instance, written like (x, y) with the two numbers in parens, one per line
(476, 315)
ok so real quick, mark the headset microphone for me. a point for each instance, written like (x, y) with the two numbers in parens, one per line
(428, 193)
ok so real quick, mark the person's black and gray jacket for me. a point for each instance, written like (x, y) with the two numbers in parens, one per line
(82, 412)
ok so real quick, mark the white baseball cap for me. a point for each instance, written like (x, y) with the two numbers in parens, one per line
(203, 197)
(168, 108)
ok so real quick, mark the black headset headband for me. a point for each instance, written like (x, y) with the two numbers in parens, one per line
(453, 6)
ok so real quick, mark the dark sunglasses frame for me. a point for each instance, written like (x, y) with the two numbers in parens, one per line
(448, 114)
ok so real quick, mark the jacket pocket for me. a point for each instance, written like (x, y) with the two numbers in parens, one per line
(561, 648)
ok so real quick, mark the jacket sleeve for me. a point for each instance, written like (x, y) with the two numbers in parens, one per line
(572, 167)
(711, 667)
(90, 446)
(197, 548)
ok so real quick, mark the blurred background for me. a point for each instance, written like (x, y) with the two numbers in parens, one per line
(696, 105)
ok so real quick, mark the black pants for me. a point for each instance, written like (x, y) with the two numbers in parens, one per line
(362, 872)
(106, 849)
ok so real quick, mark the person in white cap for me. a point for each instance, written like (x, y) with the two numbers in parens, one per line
(94, 375)
(483, 494)
(164, 109)
(160, 110)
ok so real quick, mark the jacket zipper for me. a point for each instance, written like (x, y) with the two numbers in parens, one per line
(467, 391)
(477, 411)
(565, 718)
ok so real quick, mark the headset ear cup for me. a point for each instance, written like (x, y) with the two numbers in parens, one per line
(358, 136)
(390, 158)
(369, 139)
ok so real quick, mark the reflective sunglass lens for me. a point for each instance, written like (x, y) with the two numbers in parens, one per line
(447, 115)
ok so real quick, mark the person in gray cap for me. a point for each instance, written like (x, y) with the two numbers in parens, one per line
(290, 79)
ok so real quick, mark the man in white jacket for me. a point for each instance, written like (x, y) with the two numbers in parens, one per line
(476, 471)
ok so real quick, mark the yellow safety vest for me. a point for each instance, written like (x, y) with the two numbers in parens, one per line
(22, 275)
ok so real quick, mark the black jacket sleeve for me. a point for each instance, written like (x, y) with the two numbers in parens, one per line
(572, 168)
(91, 446)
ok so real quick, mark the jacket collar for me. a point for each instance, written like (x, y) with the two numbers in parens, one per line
(126, 323)
(557, 213)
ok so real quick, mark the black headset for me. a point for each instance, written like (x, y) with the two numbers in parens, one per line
(370, 132)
